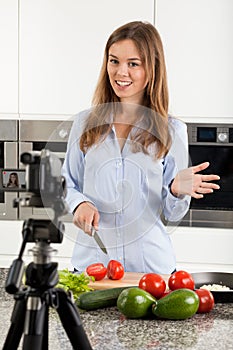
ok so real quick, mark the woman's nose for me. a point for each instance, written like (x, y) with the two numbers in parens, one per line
(123, 69)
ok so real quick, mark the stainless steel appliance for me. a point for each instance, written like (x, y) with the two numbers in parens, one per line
(8, 159)
(34, 135)
(212, 143)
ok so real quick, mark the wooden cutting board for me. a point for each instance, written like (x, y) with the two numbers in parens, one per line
(129, 279)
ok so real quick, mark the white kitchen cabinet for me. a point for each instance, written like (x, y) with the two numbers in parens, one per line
(197, 249)
(11, 240)
(9, 56)
(61, 50)
(203, 248)
(198, 44)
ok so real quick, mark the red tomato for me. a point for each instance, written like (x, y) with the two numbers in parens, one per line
(206, 300)
(153, 284)
(97, 270)
(181, 279)
(115, 270)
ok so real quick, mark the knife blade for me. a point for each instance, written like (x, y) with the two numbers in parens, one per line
(98, 240)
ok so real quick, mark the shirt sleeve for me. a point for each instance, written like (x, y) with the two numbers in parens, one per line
(175, 208)
(73, 166)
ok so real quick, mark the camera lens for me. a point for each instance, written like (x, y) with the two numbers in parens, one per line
(26, 158)
(29, 158)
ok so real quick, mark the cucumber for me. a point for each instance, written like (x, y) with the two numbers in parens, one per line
(177, 305)
(98, 299)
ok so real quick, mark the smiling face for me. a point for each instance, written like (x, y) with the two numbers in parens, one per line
(126, 71)
(13, 178)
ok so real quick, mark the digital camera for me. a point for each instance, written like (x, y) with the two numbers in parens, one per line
(41, 179)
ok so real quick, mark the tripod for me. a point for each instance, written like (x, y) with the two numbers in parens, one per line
(30, 315)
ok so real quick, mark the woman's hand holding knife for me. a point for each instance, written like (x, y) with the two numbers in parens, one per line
(86, 217)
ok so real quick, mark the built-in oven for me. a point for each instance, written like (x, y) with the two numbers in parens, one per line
(8, 159)
(35, 135)
(212, 143)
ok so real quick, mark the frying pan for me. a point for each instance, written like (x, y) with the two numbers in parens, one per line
(223, 278)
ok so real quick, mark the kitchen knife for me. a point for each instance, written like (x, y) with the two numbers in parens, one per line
(98, 240)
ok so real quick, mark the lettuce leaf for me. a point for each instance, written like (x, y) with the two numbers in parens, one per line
(75, 283)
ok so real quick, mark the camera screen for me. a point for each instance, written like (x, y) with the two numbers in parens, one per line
(12, 180)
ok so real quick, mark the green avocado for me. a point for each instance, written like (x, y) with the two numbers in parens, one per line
(178, 305)
(135, 303)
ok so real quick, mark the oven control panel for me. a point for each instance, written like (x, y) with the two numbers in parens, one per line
(210, 133)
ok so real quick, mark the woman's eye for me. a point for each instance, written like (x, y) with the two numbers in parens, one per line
(113, 61)
(133, 64)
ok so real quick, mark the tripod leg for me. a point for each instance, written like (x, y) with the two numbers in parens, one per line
(17, 323)
(36, 315)
(71, 321)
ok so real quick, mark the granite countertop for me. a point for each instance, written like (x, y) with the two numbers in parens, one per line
(107, 329)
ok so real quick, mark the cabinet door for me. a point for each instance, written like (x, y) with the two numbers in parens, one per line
(198, 43)
(61, 49)
(9, 56)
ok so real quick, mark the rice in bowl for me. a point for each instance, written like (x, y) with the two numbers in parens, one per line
(215, 287)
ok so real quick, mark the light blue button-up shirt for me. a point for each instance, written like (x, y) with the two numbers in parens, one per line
(130, 191)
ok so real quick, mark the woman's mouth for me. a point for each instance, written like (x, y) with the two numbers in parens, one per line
(123, 83)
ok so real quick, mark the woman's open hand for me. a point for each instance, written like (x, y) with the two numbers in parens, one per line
(188, 181)
(86, 216)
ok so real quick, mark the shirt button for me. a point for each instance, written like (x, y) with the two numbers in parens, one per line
(118, 163)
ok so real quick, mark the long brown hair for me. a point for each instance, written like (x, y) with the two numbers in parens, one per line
(10, 182)
(149, 44)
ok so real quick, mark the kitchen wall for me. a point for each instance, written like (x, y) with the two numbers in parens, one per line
(197, 37)
(51, 52)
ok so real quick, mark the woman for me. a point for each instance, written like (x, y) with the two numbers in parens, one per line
(13, 180)
(126, 161)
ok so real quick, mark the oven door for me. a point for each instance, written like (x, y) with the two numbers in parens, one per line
(215, 209)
